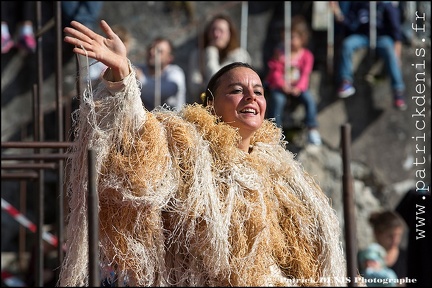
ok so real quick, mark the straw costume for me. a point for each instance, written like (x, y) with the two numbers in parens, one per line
(181, 205)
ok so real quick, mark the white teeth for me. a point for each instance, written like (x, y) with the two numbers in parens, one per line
(249, 110)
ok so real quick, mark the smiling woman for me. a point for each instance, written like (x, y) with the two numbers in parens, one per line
(240, 99)
(204, 196)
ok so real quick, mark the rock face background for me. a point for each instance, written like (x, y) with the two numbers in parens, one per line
(385, 143)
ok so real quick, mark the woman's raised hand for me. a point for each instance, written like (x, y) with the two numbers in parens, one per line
(109, 50)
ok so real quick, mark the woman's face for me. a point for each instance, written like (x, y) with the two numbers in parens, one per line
(239, 100)
(219, 33)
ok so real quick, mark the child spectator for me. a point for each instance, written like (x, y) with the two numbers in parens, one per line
(373, 267)
(300, 67)
(388, 228)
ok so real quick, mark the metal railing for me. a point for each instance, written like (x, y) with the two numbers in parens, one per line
(32, 165)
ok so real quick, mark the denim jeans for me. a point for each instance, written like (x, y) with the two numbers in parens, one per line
(86, 12)
(384, 48)
(278, 100)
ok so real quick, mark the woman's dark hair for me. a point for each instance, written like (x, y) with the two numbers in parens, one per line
(214, 81)
(234, 41)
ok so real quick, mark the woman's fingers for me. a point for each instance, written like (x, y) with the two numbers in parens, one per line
(81, 33)
(83, 38)
(108, 49)
(84, 52)
(80, 46)
(76, 38)
(106, 28)
(77, 35)
(84, 30)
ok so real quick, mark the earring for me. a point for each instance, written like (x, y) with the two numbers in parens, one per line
(203, 97)
(210, 93)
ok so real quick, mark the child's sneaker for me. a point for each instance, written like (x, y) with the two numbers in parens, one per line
(7, 44)
(314, 137)
(400, 104)
(27, 42)
(399, 101)
(346, 90)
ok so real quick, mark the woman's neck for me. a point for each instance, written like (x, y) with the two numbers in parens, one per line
(245, 144)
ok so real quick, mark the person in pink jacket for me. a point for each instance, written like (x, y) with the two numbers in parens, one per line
(299, 69)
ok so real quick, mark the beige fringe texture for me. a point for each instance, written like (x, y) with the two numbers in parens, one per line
(181, 205)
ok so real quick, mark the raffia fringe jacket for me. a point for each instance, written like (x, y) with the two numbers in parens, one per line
(181, 205)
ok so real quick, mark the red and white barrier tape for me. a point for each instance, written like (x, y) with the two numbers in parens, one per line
(51, 239)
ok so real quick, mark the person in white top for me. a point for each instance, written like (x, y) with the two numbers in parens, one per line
(170, 86)
(219, 45)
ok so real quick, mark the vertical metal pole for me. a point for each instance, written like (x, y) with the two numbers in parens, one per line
(39, 52)
(22, 229)
(330, 41)
(23, 207)
(348, 204)
(41, 181)
(93, 222)
(244, 24)
(200, 44)
(60, 127)
(287, 40)
(36, 116)
(372, 28)
(158, 75)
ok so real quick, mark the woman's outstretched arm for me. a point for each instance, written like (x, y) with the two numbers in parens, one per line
(110, 50)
